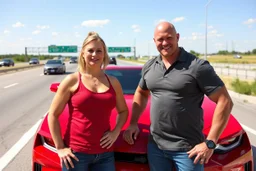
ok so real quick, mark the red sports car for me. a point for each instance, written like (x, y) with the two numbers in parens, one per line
(233, 152)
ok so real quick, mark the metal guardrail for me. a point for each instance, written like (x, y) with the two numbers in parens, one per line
(235, 66)
(19, 68)
(236, 73)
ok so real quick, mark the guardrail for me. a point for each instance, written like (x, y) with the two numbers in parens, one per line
(235, 66)
(10, 69)
(238, 73)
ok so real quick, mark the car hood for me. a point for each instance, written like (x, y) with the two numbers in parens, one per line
(233, 127)
(52, 65)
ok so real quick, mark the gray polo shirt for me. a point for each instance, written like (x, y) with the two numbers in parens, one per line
(176, 97)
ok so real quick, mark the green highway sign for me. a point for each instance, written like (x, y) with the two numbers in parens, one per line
(119, 49)
(62, 49)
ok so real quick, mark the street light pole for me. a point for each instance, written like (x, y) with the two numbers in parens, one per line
(206, 12)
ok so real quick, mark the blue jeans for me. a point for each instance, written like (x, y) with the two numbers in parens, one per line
(167, 160)
(92, 162)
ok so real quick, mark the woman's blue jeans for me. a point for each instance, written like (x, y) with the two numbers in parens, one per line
(92, 162)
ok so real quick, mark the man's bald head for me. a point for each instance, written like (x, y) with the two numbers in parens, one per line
(165, 27)
(166, 40)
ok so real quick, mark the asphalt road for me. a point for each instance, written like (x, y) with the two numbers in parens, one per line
(25, 98)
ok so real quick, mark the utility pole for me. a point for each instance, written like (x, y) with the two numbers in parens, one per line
(26, 54)
(134, 50)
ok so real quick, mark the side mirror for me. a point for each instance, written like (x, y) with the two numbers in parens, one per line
(54, 87)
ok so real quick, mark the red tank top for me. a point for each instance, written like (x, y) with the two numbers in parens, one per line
(89, 118)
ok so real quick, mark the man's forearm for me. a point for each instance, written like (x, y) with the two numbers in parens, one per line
(220, 120)
(120, 121)
(138, 106)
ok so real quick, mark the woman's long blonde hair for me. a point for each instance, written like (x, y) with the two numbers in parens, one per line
(91, 37)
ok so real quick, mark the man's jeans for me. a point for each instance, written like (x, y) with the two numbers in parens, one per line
(92, 162)
(163, 160)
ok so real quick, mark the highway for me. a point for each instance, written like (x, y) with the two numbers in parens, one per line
(25, 98)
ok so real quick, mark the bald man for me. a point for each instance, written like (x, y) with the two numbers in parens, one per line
(177, 82)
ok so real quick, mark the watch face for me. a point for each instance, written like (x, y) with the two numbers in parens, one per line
(210, 144)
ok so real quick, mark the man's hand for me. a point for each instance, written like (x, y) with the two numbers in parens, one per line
(202, 153)
(131, 133)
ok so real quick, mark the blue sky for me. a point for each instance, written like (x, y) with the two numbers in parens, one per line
(30, 23)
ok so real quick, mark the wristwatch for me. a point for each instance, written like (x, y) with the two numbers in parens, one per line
(210, 144)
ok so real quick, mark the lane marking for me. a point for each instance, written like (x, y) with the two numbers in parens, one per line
(249, 129)
(11, 85)
(16, 148)
(41, 74)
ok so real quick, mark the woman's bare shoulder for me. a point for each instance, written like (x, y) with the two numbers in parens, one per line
(70, 80)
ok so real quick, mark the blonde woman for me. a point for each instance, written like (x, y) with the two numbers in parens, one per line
(91, 95)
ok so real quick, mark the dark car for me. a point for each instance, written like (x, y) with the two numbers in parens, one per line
(233, 151)
(6, 62)
(112, 60)
(54, 66)
(73, 60)
(34, 61)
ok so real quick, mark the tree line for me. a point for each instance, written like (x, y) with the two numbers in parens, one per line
(225, 52)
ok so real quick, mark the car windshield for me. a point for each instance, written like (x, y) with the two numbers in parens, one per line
(34, 59)
(128, 78)
(53, 62)
(74, 58)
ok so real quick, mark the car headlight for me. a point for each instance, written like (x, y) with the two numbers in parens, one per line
(228, 144)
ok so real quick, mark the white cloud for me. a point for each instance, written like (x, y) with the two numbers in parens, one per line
(42, 27)
(250, 21)
(36, 32)
(178, 19)
(6, 31)
(136, 28)
(25, 39)
(196, 36)
(210, 27)
(183, 38)
(214, 33)
(77, 34)
(95, 23)
(18, 24)
(55, 34)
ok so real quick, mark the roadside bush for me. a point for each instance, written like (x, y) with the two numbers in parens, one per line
(242, 87)
(253, 86)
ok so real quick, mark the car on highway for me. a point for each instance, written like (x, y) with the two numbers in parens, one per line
(54, 66)
(6, 62)
(237, 56)
(73, 60)
(112, 60)
(232, 153)
(34, 61)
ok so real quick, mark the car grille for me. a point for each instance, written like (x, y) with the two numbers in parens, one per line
(131, 158)
(49, 69)
(37, 167)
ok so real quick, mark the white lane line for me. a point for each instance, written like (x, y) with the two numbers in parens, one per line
(10, 155)
(249, 129)
(41, 74)
(11, 85)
